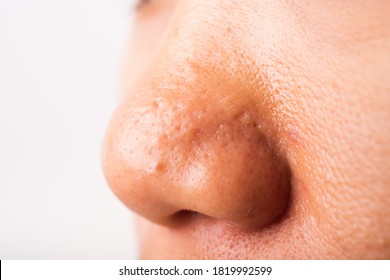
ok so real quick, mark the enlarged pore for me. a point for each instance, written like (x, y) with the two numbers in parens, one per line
(198, 156)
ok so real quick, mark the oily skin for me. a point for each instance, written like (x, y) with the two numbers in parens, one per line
(256, 130)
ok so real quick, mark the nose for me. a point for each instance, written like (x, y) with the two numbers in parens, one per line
(205, 152)
(191, 138)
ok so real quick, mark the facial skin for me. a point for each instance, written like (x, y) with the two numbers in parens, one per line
(256, 130)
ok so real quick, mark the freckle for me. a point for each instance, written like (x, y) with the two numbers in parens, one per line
(160, 167)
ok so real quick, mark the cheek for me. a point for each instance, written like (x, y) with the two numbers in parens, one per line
(342, 164)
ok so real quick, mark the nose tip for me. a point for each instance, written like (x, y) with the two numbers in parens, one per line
(173, 152)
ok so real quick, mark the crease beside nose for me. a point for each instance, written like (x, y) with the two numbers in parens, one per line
(169, 151)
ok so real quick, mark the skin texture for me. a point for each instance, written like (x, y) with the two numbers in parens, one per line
(256, 130)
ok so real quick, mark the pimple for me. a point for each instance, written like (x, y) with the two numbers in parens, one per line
(294, 135)
(247, 120)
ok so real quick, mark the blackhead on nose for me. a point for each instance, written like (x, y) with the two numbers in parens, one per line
(192, 135)
(186, 148)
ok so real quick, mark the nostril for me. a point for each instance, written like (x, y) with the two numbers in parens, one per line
(187, 217)
(184, 215)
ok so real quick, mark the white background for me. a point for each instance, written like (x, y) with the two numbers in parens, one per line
(59, 72)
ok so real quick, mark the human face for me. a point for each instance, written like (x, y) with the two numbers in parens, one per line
(256, 130)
